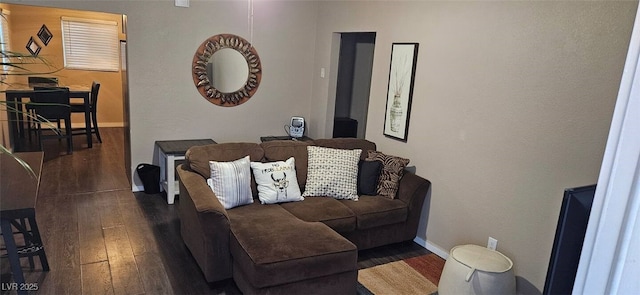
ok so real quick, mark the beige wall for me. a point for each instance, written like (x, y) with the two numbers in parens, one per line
(512, 100)
(512, 104)
(25, 22)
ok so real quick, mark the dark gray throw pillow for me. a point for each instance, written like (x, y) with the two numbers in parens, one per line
(368, 174)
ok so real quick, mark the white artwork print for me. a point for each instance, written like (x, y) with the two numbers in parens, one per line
(398, 95)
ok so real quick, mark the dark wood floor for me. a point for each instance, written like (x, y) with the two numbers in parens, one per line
(101, 238)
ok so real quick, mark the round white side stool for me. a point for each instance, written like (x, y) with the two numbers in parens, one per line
(472, 269)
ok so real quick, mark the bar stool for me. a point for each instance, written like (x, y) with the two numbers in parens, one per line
(27, 227)
(18, 211)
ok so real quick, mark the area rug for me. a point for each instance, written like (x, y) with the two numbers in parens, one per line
(417, 275)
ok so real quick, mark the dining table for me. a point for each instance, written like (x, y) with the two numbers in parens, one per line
(14, 100)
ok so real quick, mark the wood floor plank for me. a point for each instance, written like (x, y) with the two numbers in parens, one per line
(139, 229)
(109, 212)
(389, 253)
(124, 270)
(66, 281)
(96, 278)
(91, 240)
(60, 232)
(46, 221)
(66, 255)
(173, 250)
(152, 272)
(66, 233)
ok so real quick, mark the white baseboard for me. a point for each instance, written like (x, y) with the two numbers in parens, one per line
(435, 249)
(137, 188)
(111, 124)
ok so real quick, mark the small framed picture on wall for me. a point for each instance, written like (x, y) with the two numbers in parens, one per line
(45, 35)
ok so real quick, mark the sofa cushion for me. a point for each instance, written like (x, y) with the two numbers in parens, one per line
(326, 210)
(368, 175)
(231, 182)
(373, 211)
(281, 150)
(347, 144)
(277, 181)
(198, 157)
(332, 173)
(273, 247)
(392, 171)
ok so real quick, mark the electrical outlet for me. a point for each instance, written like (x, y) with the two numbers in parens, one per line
(492, 243)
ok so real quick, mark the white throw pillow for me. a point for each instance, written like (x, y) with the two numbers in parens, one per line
(231, 182)
(277, 181)
(332, 173)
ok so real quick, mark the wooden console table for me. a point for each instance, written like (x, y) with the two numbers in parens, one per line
(170, 151)
(18, 195)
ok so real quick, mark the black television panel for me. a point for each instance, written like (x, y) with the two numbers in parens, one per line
(567, 245)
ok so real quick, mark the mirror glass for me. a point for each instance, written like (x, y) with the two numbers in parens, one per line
(227, 70)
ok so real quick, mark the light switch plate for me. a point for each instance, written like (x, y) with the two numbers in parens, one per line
(182, 3)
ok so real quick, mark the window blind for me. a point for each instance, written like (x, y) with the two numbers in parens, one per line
(4, 40)
(90, 44)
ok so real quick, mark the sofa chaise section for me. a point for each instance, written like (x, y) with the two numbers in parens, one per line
(273, 250)
(204, 223)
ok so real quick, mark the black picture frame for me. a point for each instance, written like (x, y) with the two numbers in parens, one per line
(45, 35)
(33, 47)
(402, 72)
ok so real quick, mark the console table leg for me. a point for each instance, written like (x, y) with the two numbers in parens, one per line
(171, 178)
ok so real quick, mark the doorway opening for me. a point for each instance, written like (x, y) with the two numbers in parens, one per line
(355, 64)
(21, 23)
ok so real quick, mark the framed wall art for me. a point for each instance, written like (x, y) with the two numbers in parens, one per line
(45, 35)
(400, 90)
(33, 47)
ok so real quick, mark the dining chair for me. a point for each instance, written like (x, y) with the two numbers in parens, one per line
(52, 104)
(35, 81)
(93, 107)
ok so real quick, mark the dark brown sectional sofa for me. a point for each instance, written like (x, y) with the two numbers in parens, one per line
(305, 247)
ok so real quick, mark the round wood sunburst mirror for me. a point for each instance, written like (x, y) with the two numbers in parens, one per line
(226, 70)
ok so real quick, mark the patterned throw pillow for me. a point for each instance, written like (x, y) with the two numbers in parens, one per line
(332, 173)
(392, 171)
(277, 181)
(231, 182)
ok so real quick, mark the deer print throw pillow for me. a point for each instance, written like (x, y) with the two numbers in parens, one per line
(277, 181)
(332, 173)
(231, 182)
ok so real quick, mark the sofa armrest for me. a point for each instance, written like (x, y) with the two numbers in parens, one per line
(413, 190)
(204, 225)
